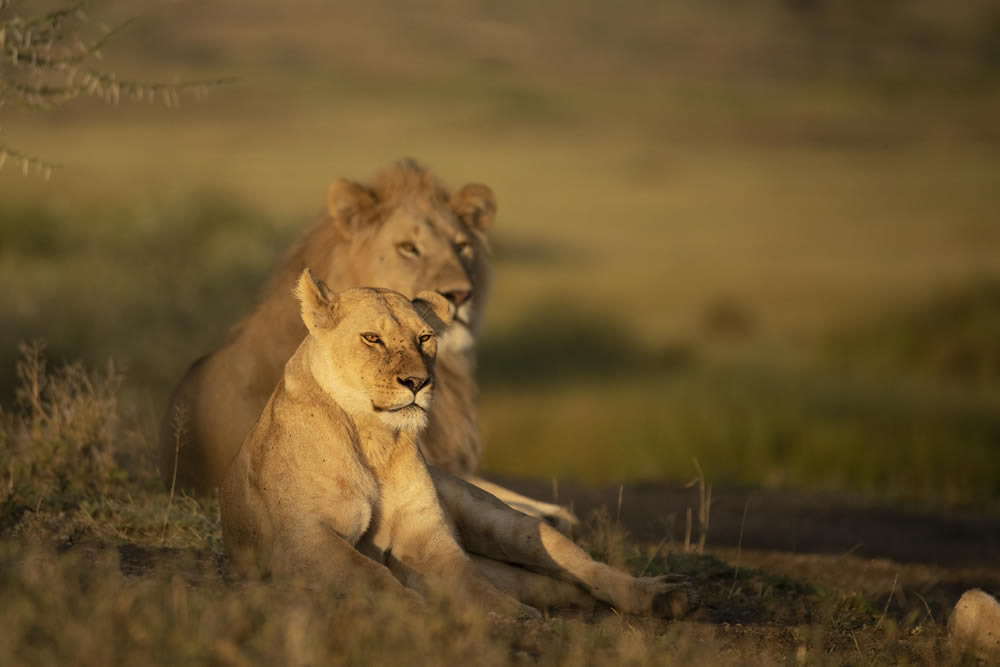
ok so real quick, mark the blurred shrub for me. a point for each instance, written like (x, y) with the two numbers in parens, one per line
(954, 337)
(555, 343)
(152, 285)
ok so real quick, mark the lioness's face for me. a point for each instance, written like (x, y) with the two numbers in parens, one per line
(374, 349)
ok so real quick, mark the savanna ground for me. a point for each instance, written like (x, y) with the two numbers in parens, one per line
(758, 234)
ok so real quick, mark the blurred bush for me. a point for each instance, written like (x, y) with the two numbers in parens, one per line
(952, 337)
(152, 286)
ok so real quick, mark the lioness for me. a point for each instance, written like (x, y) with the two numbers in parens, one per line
(331, 485)
(405, 232)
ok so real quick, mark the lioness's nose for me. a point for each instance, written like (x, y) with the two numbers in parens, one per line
(457, 297)
(414, 383)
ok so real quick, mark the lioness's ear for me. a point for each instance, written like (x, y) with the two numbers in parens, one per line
(348, 203)
(318, 303)
(475, 205)
(436, 310)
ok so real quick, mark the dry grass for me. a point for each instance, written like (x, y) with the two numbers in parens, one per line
(87, 576)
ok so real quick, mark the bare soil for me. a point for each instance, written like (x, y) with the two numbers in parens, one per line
(900, 560)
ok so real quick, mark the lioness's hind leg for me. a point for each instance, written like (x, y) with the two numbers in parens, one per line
(532, 588)
(488, 527)
(556, 516)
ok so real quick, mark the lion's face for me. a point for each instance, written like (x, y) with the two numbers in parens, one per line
(373, 349)
(414, 243)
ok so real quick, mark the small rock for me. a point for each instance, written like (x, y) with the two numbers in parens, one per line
(974, 626)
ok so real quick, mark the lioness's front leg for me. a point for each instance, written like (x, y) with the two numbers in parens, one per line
(309, 550)
(488, 527)
(423, 552)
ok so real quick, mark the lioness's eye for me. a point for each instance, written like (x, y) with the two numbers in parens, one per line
(424, 338)
(371, 338)
(464, 248)
(408, 249)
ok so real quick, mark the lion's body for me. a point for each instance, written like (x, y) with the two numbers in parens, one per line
(365, 240)
(330, 484)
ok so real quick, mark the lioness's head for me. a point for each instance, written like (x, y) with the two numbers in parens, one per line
(408, 233)
(373, 349)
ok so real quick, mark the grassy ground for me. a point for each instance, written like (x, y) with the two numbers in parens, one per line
(759, 234)
(99, 566)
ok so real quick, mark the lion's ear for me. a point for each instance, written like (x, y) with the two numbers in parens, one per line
(318, 303)
(348, 204)
(475, 205)
(436, 310)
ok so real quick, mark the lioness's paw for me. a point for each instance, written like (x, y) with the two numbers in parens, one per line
(674, 596)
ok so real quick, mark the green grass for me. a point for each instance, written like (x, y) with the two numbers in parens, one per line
(950, 340)
(755, 427)
(897, 406)
(152, 284)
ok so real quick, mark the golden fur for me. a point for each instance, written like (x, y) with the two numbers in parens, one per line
(365, 239)
(330, 485)
(404, 232)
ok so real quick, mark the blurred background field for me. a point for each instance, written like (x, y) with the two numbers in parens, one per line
(761, 233)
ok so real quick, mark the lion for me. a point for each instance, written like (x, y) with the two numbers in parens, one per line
(404, 232)
(330, 485)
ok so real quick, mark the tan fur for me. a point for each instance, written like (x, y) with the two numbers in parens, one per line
(330, 485)
(362, 241)
(489, 528)
(331, 471)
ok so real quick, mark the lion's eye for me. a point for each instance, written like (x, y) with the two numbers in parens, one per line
(408, 249)
(425, 337)
(371, 339)
(464, 248)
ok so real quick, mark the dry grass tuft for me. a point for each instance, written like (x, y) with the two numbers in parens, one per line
(57, 447)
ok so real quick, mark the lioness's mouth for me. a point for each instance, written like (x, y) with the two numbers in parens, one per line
(397, 408)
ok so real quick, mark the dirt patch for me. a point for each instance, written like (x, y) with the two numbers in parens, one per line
(791, 522)
(777, 560)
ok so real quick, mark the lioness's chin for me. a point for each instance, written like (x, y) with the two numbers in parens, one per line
(411, 418)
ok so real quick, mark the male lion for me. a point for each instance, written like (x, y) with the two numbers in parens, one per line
(330, 485)
(405, 232)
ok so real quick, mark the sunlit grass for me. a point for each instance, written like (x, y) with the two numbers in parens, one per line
(97, 567)
(883, 440)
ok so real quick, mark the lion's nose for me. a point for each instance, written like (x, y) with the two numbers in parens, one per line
(414, 383)
(457, 297)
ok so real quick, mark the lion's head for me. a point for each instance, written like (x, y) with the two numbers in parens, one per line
(373, 349)
(406, 232)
